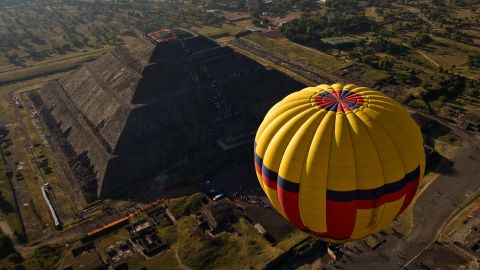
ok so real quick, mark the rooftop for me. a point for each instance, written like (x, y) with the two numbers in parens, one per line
(162, 35)
(338, 40)
(220, 215)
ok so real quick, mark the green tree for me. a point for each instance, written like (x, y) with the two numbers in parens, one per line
(474, 61)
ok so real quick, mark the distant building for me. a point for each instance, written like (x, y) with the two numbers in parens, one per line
(470, 121)
(234, 5)
(119, 252)
(161, 35)
(146, 236)
(254, 29)
(339, 42)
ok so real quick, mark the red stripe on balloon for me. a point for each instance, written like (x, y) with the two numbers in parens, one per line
(336, 93)
(388, 197)
(289, 202)
(410, 191)
(269, 182)
(258, 168)
(341, 218)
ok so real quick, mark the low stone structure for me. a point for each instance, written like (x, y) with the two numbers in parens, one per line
(146, 236)
(218, 216)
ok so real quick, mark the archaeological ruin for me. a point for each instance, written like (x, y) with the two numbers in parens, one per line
(145, 106)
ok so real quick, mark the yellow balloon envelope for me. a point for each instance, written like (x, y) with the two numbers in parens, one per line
(339, 161)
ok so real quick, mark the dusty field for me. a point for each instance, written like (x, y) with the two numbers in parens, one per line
(288, 17)
(233, 16)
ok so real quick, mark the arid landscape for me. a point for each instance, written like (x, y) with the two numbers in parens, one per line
(127, 129)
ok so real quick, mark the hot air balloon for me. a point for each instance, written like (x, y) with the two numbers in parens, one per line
(339, 161)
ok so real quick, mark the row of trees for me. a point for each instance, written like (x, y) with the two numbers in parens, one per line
(474, 61)
(419, 39)
(310, 28)
(443, 86)
(372, 60)
(37, 30)
(341, 20)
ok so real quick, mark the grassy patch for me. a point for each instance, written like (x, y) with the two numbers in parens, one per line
(453, 55)
(196, 249)
(373, 74)
(45, 258)
(164, 260)
(169, 234)
(48, 67)
(184, 205)
(244, 249)
(291, 239)
(89, 260)
(33, 182)
(7, 204)
(298, 53)
(448, 144)
(62, 199)
(230, 28)
(280, 68)
(372, 13)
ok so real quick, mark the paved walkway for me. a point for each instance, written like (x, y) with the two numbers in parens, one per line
(432, 210)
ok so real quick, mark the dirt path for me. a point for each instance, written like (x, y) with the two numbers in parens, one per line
(423, 55)
(5, 228)
(179, 261)
(428, 58)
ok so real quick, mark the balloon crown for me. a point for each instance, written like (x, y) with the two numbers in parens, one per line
(338, 100)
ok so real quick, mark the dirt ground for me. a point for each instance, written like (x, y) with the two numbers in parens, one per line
(281, 19)
(275, 224)
(233, 16)
(18, 162)
(274, 34)
(441, 255)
